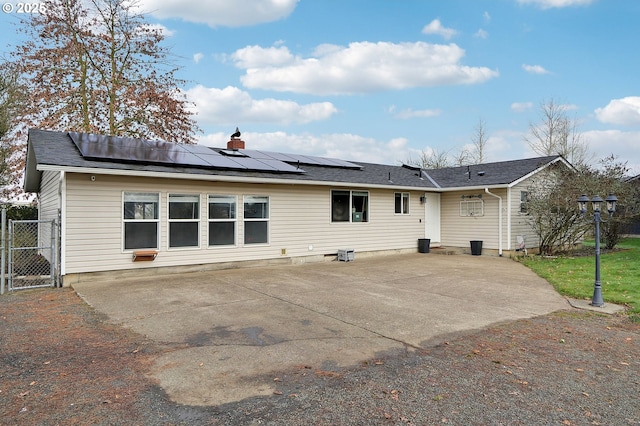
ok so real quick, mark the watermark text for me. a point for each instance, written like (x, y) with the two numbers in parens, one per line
(23, 7)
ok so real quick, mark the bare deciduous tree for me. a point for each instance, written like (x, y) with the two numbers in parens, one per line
(11, 97)
(431, 159)
(556, 133)
(552, 204)
(479, 140)
(98, 67)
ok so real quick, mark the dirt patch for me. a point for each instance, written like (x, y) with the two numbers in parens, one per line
(61, 364)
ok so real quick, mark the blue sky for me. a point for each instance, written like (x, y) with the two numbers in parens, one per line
(383, 80)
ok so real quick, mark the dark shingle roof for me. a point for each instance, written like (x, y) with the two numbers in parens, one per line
(499, 173)
(57, 149)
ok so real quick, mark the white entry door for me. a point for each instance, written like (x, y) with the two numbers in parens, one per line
(432, 216)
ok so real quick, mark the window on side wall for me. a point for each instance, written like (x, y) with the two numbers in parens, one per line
(523, 202)
(256, 219)
(140, 215)
(402, 202)
(472, 208)
(349, 206)
(222, 220)
(184, 220)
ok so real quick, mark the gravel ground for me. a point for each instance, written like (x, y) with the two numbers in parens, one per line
(60, 364)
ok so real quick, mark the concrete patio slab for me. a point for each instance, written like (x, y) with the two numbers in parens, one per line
(232, 329)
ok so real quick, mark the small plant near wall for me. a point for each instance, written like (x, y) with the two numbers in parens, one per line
(22, 212)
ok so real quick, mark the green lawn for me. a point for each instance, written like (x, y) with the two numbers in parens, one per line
(574, 276)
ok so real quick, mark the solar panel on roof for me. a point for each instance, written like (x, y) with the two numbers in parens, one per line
(281, 166)
(200, 149)
(99, 147)
(218, 161)
(302, 159)
(233, 153)
(267, 155)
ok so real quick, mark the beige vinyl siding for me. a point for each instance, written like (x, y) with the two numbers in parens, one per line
(48, 206)
(519, 221)
(49, 201)
(458, 231)
(299, 223)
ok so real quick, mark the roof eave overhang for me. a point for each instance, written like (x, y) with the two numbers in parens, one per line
(559, 159)
(32, 174)
(473, 188)
(224, 178)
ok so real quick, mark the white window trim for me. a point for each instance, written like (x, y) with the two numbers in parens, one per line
(350, 191)
(524, 213)
(234, 220)
(170, 221)
(123, 221)
(466, 211)
(267, 219)
(402, 194)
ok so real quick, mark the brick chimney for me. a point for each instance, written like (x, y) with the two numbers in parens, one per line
(235, 144)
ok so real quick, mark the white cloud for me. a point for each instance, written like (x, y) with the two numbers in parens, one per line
(625, 111)
(344, 146)
(481, 34)
(256, 57)
(521, 106)
(409, 113)
(232, 105)
(362, 67)
(549, 4)
(435, 27)
(220, 13)
(534, 69)
(197, 57)
(624, 145)
(486, 16)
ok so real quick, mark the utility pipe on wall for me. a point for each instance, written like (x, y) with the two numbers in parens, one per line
(499, 220)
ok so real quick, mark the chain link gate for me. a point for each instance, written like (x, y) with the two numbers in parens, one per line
(32, 254)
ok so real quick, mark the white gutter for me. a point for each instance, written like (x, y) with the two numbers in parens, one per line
(499, 220)
(221, 178)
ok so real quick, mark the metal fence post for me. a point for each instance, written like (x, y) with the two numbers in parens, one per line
(9, 262)
(4, 248)
(59, 249)
(52, 255)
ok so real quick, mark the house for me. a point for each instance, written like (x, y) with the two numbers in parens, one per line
(128, 204)
(633, 227)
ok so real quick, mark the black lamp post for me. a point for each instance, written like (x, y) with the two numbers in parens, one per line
(596, 203)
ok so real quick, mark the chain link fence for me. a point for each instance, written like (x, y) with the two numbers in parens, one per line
(31, 254)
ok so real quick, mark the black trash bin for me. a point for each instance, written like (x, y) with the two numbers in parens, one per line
(476, 248)
(423, 245)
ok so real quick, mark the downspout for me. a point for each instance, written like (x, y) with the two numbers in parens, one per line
(509, 215)
(499, 220)
(61, 249)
